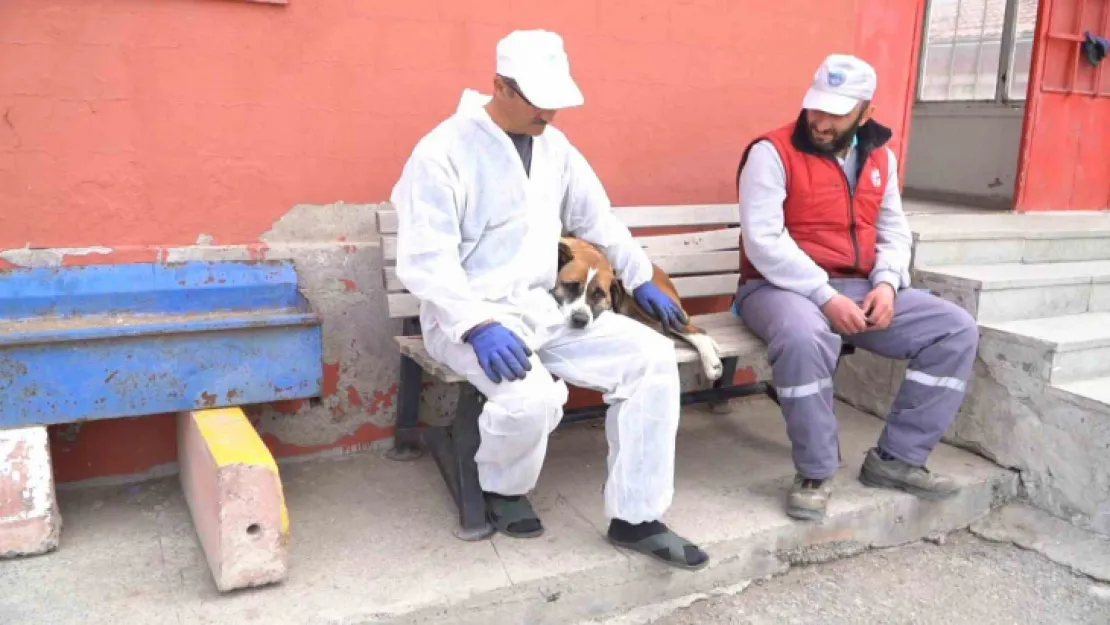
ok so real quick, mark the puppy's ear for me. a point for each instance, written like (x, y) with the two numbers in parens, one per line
(616, 294)
(565, 255)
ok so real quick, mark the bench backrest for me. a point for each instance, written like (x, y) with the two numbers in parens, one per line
(704, 263)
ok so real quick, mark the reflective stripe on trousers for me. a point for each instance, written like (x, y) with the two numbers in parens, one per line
(805, 390)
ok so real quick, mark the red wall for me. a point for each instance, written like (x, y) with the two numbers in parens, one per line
(137, 124)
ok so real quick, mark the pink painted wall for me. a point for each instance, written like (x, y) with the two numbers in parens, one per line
(137, 125)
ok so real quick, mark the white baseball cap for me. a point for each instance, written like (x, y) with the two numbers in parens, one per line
(840, 84)
(536, 60)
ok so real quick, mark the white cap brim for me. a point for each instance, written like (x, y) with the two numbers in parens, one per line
(831, 103)
(551, 92)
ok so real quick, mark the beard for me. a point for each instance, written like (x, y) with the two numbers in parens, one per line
(839, 143)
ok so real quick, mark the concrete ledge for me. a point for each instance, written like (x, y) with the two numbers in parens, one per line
(375, 543)
(30, 523)
(731, 483)
(1056, 436)
(234, 493)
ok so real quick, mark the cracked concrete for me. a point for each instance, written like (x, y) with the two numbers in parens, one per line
(1085, 553)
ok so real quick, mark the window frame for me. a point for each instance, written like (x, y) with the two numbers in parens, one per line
(1003, 71)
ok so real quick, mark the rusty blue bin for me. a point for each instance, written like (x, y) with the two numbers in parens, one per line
(111, 341)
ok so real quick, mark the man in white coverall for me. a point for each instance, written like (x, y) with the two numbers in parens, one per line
(481, 204)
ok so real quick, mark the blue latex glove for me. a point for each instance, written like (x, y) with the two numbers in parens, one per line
(500, 352)
(661, 305)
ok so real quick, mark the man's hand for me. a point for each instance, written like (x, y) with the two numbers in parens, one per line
(500, 352)
(845, 316)
(879, 306)
(656, 302)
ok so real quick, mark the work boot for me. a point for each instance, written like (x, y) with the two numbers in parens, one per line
(808, 498)
(898, 475)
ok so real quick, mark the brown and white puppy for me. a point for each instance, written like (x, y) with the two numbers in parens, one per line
(587, 287)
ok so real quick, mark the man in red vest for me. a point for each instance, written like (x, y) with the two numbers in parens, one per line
(825, 256)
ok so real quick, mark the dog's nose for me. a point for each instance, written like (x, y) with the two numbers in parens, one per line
(579, 319)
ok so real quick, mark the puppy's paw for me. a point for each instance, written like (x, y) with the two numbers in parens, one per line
(712, 366)
(716, 346)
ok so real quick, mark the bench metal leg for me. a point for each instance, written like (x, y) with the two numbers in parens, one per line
(406, 438)
(772, 394)
(472, 503)
(726, 379)
(453, 448)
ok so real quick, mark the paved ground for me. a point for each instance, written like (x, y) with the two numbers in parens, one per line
(965, 580)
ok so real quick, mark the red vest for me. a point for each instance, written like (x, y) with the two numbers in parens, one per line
(838, 231)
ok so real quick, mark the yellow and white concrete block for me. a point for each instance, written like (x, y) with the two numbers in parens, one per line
(234, 493)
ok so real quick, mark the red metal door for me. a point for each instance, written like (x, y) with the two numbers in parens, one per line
(1064, 162)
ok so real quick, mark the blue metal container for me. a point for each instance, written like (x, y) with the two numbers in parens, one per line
(113, 341)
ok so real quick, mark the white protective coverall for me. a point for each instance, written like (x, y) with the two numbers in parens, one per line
(478, 240)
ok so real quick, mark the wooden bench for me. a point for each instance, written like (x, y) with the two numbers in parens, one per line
(704, 263)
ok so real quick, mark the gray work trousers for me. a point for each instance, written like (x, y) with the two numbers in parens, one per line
(939, 339)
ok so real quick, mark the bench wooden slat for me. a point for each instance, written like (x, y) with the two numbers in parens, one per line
(389, 248)
(675, 265)
(406, 305)
(413, 347)
(734, 340)
(659, 245)
(713, 321)
(392, 284)
(634, 216)
(708, 241)
(699, 262)
(402, 305)
(387, 221)
(681, 215)
(706, 286)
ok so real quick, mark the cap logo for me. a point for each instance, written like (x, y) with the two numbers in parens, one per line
(836, 78)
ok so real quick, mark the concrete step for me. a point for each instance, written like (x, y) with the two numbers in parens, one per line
(1095, 390)
(1070, 348)
(1014, 291)
(967, 239)
(373, 541)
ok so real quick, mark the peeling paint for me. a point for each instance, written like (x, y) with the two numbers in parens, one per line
(205, 239)
(199, 252)
(331, 378)
(24, 451)
(328, 222)
(365, 434)
(383, 400)
(353, 396)
(288, 406)
(29, 257)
